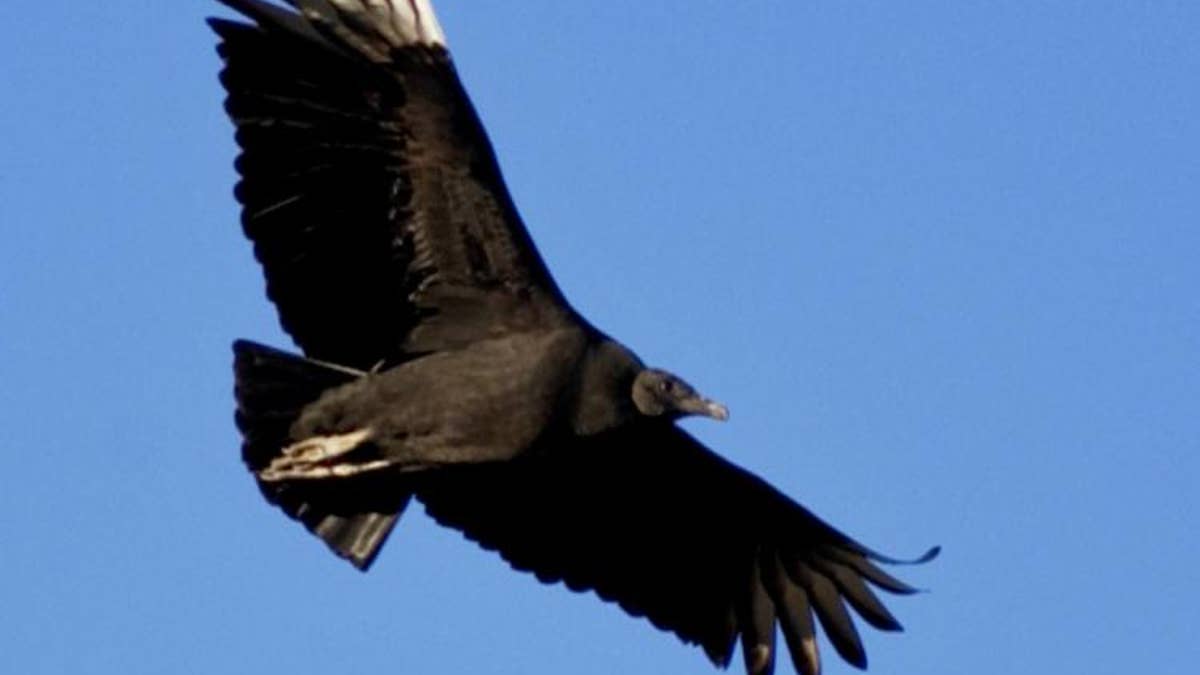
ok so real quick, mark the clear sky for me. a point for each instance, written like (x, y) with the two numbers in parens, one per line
(939, 258)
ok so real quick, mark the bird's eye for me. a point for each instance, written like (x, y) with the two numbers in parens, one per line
(666, 386)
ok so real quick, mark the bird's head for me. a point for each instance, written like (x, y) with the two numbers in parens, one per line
(657, 393)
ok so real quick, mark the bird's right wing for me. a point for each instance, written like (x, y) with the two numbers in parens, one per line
(649, 518)
(368, 185)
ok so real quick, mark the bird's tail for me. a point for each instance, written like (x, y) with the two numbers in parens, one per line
(352, 515)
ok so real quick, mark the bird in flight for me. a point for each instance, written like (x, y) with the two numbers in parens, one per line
(442, 363)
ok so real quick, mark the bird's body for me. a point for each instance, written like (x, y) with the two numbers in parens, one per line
(441, 362)
(489, 401)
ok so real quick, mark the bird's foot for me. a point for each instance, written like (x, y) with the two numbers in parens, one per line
(317, 457)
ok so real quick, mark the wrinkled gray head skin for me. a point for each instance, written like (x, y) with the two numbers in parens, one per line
(657, 393)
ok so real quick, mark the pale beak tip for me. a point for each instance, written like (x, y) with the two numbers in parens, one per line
(718, 412)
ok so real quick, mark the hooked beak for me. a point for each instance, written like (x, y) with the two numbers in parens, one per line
(716, 410)
(707, 408)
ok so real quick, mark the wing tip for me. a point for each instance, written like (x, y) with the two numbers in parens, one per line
(933, 552)
(925, 557)
(397, 23)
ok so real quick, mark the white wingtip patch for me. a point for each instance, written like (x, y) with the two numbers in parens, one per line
(400, 23)
(426, 22)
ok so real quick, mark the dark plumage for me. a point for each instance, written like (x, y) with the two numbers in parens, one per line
(442, 363)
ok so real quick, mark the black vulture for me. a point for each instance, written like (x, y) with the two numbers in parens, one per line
(442, 363)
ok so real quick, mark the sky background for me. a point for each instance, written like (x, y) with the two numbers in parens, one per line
(939, 258)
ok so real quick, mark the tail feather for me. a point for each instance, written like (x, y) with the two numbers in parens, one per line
(353, 516)
(272, 387)
(357, 538)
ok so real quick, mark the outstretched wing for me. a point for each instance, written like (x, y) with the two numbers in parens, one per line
(368, 185)
(650, 519)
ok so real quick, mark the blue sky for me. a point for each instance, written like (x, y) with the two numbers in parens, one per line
(939, 258)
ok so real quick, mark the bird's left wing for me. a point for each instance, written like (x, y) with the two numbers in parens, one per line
(650, 519)
(368, 185)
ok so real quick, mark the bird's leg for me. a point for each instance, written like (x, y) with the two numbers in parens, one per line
(315, 458)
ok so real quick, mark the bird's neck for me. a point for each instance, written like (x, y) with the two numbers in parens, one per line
(604, 395)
